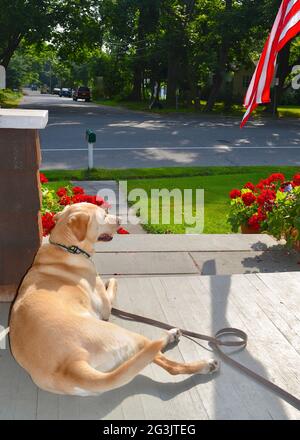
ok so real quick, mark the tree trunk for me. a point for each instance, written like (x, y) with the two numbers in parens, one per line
(172, 78)
(283, 70)
(138, 69)
(136, 93)
(6, 56)
(218, 77)
(216, 86)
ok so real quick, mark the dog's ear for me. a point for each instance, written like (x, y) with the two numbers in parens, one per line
(79, 224)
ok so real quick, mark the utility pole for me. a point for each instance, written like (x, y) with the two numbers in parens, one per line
(50, 72)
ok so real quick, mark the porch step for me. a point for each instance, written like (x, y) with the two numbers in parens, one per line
(157, 255)
(181, 255)
(190, 243)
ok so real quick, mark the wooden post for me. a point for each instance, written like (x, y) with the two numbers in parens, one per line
(20, 198)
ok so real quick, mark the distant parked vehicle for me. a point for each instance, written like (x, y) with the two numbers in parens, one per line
(34, 87)
(67, 93)
(82, 93)
(56, 91)
(44, 89)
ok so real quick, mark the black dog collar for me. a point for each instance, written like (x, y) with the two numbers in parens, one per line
(75, 250)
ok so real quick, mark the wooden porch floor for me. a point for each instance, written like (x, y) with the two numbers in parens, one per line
(266, 306)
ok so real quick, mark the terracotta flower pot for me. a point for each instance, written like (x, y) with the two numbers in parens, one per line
(246, 229)
(297, 246)
(295, 234)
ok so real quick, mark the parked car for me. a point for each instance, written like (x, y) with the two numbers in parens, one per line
(56, 91)
(65, 92)
(82, 92)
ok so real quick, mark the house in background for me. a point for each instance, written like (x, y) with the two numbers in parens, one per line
(241, 81)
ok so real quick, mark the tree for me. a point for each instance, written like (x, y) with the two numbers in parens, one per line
(25, 19)
(70, 24)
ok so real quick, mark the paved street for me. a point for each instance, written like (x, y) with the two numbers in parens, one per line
(135, 139)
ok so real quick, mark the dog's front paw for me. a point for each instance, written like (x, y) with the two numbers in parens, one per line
(212, 366)
(111, 288)
(174, 335)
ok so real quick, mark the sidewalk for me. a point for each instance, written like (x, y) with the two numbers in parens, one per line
(120, 208)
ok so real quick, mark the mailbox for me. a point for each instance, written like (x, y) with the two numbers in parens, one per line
(90, 136)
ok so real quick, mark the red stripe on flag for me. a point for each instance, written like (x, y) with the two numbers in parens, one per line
(290, 34)
(247, 114)
(265, 97)
(285, 27)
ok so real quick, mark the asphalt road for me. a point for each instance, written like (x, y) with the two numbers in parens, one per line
(136, 139)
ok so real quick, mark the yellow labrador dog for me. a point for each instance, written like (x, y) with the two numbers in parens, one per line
(58, 327)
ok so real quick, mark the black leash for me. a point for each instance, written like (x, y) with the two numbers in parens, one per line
(216, 342)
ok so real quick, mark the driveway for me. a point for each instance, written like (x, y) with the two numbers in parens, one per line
(136, 139)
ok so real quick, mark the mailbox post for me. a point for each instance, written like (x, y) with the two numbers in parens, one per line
(20, 221)
(91, 140)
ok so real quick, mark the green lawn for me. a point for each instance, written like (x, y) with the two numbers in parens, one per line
(147, 173)
(9, 99)
(235, 110)
(216, 190)
(216, 182)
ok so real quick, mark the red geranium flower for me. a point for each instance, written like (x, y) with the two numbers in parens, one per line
(48, 223)
(250, 186)
(254, 222)
(235, 193)
(262, 184)
(122, 231)
(43, 178)
(248, 198)
(89, 199)
(261, 214)
(61, 192)
(276, 177)
(296, 180)
(266, 197)
(99, 201)
(65, 200)
(78, 198)
(77, 190)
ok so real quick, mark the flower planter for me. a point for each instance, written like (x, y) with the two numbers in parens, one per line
(295, 234)
(297, 246)
(246, 229)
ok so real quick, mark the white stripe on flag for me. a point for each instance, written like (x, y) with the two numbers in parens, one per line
(251, 86)
(290, 5)
(263, 77)
(293, 21)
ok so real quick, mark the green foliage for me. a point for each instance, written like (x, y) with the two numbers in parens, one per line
(192, 47)
(9, 98)
(239, 213)
(50, 200)
(284, 220)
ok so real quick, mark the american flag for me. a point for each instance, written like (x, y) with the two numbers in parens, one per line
(286, 26)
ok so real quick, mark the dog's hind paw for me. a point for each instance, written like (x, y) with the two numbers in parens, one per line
(213, 366)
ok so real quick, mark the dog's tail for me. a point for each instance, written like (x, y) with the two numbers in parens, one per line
(81, 375)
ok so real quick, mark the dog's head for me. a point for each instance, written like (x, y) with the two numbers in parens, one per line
(84, 222)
